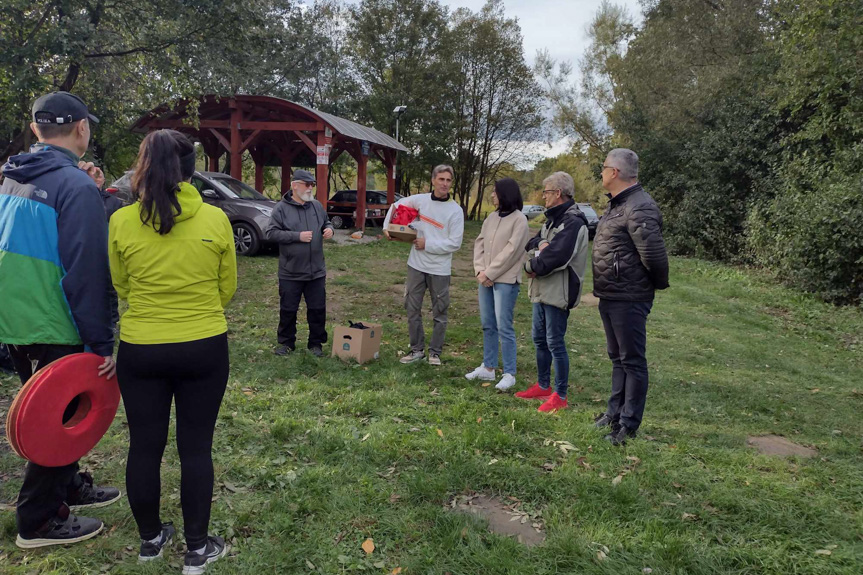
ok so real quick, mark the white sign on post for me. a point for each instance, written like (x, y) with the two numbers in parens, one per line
(323, 155)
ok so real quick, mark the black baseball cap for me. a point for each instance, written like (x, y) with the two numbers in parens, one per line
(303, 176)
(61, 108)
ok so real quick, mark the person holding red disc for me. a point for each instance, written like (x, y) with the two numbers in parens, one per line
(54, 286)
(173, 258)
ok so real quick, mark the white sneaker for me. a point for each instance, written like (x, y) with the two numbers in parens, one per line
(412, 357)
(507, 381)
(482, 372)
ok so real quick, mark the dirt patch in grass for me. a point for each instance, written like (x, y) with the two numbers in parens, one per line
(779, 446)
(343, 238)
(504, 517)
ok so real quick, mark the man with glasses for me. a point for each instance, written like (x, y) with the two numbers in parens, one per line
(299, 224)
(556, 265)
(629, 264)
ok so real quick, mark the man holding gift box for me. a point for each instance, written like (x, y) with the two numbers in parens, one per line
(440, 227)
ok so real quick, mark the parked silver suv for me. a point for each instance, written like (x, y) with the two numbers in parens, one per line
(248, 211)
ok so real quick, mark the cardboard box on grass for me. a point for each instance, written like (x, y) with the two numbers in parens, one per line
(361, 345)
(402, 232)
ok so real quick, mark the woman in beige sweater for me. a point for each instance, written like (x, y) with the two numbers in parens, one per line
(498, 255)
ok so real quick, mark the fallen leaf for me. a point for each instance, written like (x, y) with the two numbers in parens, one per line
(310, 565)
(492, 462)
(395, 497)
(677, 485)
(379, 564)
(601, 555)
(366, 436)
(396, 571)
(824, 552)
(486, 384)
(368, 546)
(635, 460)
(689, 517)
(617, 480)
(439, 432)
(647, 570)
(479, 420)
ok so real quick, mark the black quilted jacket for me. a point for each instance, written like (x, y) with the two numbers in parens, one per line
(629, 257)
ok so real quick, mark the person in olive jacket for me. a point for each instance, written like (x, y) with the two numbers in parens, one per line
(299, 224)
(629, 264)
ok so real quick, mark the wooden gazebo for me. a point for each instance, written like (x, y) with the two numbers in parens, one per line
(277, 132)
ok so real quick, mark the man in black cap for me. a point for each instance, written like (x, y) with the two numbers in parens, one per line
(54, 285)
(299, 224)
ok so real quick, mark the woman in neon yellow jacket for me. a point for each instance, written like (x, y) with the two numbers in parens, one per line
(172, 257)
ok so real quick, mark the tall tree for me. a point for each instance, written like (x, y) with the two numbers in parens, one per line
(397, 58)
(496, 98)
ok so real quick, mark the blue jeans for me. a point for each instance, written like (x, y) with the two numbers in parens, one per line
(496, 306)
(549, 329)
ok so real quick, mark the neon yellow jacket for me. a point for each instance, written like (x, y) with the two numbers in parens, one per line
(177, 284)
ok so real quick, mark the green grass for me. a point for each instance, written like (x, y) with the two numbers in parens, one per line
(314, 456)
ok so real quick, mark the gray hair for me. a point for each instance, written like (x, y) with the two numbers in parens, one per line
(561, 181)
(626, 161)
(443, 168)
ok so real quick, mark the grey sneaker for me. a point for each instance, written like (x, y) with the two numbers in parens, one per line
(434, 359)
(150, 551)
(412, 357)
(62, 529)
(196, 563)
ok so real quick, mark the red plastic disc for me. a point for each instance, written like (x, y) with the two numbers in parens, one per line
(35, 426)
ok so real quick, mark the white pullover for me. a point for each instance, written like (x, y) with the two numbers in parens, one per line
(442, 226)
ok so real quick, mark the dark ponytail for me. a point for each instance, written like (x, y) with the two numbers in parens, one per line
(163, 162)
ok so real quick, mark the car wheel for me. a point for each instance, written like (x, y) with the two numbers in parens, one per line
(341, 222)
(246, 239)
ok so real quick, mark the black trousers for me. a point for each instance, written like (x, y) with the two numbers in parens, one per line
(315, 292)
(625, 326)
(45, 488)
(194, 374)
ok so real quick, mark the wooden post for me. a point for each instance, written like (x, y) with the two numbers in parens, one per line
(214, 163)
(362, 164)
(322, 173)
(286, 174)
(259, 176)
(236, 142)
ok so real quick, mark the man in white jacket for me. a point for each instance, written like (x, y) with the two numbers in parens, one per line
(440, 228)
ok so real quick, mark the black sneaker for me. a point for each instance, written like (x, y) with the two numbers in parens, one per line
(62, 529)
(603, 420)
(619, 435)
(90, 496)
(283, 350)
(317, 351)
(150, 550)
(195, 563)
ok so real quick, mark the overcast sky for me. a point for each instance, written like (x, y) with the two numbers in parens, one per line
(560, 26)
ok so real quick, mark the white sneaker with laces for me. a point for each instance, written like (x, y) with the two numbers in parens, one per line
(412, 357)
(507, 381)
(482, 372)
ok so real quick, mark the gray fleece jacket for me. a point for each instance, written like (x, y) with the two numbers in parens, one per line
(299, 261)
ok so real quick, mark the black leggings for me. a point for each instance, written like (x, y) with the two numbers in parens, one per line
(195, 374)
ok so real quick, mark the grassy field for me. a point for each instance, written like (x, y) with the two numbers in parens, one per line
(315, 456)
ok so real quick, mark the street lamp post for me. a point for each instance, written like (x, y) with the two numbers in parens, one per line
(398, 111)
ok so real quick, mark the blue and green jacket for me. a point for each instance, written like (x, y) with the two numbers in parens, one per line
(54, 276)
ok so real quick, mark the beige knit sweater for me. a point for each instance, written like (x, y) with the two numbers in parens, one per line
(499, 249)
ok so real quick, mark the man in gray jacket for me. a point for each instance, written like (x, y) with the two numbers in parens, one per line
(299, 224)
(629, 264)
(556, 265)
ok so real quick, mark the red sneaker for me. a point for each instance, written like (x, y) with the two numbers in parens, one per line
(534, 392)
(553, 403)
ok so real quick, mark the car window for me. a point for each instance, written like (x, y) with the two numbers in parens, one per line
(198, 183)
(338, 197)
(235, 189)
(351, 197)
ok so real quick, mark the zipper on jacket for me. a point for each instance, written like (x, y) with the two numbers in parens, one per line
(616, 265)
